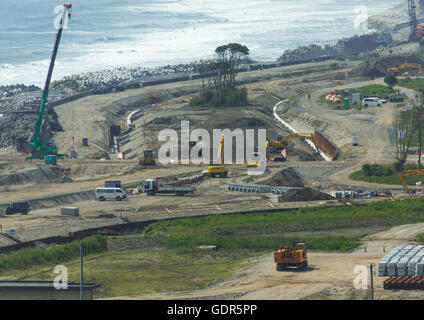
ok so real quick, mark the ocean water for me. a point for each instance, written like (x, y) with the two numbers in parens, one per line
(104, 34)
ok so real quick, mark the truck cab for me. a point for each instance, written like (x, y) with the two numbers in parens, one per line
(150, 186)
(18, 207)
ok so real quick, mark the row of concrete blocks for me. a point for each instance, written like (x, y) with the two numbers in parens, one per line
(257, 188)
(402, 261)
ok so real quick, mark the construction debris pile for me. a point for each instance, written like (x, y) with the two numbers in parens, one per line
(15, 126)
(333, 97)
(407, 260)
(305, 194)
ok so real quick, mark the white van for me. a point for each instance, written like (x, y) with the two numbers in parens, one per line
(372, 102)
(117, 194)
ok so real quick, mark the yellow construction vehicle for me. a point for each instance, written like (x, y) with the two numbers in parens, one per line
(282, 142)
(409, 173)
(147, 158)
(291, 256)
(219, 170)
(280, 145)
(254, 164)
(406, 65)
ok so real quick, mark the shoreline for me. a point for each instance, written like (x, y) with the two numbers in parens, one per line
(26, 97)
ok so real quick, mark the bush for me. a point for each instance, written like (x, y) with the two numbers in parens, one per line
(220, 98)
(377, 170)
(366, 168)
(28, 257)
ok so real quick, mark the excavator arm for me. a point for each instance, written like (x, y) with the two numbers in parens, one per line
(406, 65)
(219, 170)
(298, 136)
(409, 173)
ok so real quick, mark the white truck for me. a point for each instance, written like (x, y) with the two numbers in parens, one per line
(155, 186)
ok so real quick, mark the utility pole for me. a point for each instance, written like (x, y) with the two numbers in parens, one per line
(81, 273)
(372, 282)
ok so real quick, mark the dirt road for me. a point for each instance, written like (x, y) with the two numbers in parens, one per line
(329, 276)
(373, 127)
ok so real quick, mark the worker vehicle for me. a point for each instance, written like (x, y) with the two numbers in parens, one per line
(254, 164)
(159, 186)
(398, 96)
(293, 255)
(218, 169)
(113, 184)
(40, 148)
(18, 207)
(406, 65)
(282, 142)
(279, 146)
(117, 194)
(372, 102)
(147, 158)
(409, 173)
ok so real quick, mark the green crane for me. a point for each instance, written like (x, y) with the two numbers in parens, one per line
(40, 148)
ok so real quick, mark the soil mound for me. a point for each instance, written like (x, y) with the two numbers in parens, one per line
(287, 177)
(305, 194)
(377, 67)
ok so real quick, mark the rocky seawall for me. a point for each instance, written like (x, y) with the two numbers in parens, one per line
(354, 45)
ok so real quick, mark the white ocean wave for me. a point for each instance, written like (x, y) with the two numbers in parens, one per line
(181, 31)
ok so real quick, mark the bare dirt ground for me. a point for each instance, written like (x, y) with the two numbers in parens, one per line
(373, 127)
(329, 276)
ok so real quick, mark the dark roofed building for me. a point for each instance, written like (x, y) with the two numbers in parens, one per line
(44, 290)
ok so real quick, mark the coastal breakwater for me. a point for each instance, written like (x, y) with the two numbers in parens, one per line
(347, 46)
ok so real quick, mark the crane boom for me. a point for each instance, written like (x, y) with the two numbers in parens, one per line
(43, 148)
(409, 173)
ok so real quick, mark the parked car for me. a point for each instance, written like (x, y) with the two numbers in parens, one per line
(373, 102)
(18, 207)
(117, 194)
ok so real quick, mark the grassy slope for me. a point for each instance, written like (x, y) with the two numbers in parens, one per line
(393, 179)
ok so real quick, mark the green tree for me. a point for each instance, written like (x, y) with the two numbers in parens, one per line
(228, 60)
(390, 80)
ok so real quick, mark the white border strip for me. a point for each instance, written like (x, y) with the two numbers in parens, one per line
(293, 130)
(129, 118)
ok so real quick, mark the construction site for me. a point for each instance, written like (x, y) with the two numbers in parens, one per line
(89, 164)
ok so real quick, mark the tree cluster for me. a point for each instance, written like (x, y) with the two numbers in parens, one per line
(224, 69)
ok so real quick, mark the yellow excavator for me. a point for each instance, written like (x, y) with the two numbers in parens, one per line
(147, 158)
(280, 145)
(294, 255)
(406, 65)
(219, 170)
(409, 173)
